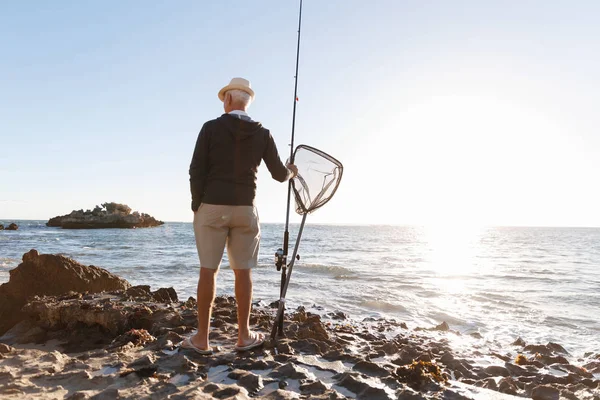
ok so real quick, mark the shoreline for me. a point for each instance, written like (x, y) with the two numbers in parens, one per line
(125, 343)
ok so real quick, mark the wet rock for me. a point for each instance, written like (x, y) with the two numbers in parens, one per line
(108, 394)
(444, 327)
(447, 359)
(389, 348)
(564, 393)
(489, 383)
(405, 357)
(351, 381)
(145, 361)
(338, 316)
(496, 370)
(371, 369)
(373, 393)
(248, 380)
(281, 395)
(252, 364)
(140, 291)
(4, 348)
(519, 342)
(545, 393)
(507, 385)
(290, 371)
(12, 227)
(137, 337)
(515, 370)
(574, 369)
(557, 348)
(165, 295)
(309, 346)
(282, 384)
(229, 391)
(50, 275)
(312, 388)
(178, 363)
(284, 348)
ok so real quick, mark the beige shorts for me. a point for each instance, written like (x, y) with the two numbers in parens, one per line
(235, 226)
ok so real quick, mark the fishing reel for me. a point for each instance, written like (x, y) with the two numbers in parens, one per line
(280, 259)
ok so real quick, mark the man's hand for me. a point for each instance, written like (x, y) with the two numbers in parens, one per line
(293, 169)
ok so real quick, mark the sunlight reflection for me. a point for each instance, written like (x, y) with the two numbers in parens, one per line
(452, 252)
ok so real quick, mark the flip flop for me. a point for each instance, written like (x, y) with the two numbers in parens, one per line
(187, 344)
(258, 341)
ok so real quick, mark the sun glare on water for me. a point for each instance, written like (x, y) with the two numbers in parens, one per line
(452, 253)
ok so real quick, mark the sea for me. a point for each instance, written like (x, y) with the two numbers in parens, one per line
(491, 284)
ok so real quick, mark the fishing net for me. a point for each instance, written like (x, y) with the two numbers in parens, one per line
(319, 176)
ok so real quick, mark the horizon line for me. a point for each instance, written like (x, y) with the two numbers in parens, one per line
(375, 224)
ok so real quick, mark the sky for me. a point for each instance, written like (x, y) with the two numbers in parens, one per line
(464, 112)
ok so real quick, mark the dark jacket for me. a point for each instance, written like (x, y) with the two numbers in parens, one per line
(226, 159)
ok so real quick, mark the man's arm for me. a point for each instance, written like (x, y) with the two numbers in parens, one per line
(278, 170)
(199, 168)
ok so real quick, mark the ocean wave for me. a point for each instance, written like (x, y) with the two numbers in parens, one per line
(382, 306)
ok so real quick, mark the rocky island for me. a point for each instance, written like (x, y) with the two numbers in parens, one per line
(11, 227)
(109, 215)
(81, 332)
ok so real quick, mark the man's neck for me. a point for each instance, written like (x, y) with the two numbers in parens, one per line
(238, 111)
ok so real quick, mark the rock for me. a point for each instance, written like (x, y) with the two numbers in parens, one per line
(50, 275)
(557, 348)
(496, 370)
(4, 348)
(229, 391)
(545, 393)
(444, 327)
(312, 388)
(1, 227)
(290, 371)
(490, 383)
(252, 382)
(447, 359)
(280, 394)
(515, 370)
(351, 382)
(507, 385)
(108, 394)
(373, 393)
(165, 295)
(548, 360)
(390, 348)
(371, 369)
(12, 227)
(519, 342)
(113, 215)
(140, 292)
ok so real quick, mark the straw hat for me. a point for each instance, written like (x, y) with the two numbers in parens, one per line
(237, 83)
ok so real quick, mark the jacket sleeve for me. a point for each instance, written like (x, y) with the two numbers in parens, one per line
(278, 170)
(199, 168)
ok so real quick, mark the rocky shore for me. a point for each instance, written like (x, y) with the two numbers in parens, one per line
(109, 215)
(124, 343)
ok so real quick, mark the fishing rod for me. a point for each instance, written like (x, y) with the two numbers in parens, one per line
(282, 253)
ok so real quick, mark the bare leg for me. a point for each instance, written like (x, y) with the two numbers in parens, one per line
(206, 295)
(243, 295)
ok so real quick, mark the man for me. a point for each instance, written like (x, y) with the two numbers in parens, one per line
(223, 172)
